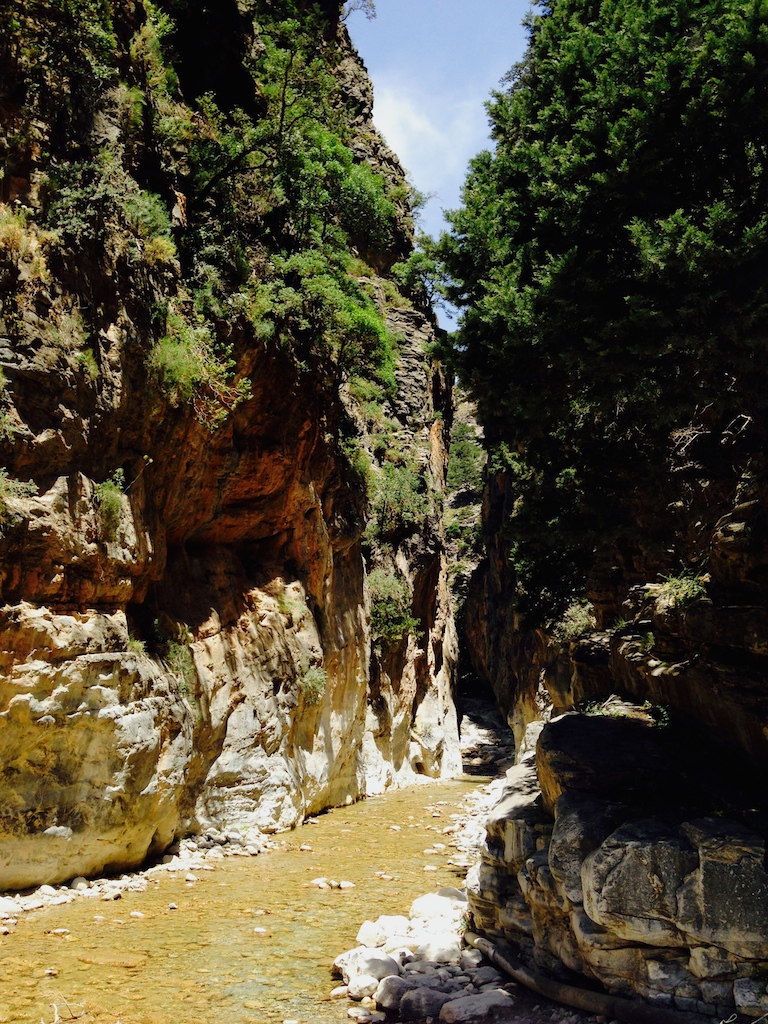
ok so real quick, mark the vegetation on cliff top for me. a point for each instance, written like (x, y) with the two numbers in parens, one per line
(610, 258)
(227, 190)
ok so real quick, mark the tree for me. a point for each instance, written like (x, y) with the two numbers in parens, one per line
(368, 7)
(610, 260)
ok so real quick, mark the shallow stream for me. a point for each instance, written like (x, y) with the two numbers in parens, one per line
(204, 962)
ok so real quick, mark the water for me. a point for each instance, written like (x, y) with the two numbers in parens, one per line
(203, 963)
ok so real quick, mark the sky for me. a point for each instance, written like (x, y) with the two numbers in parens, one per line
(434, 64)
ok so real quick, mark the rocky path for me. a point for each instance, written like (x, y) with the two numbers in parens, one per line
(415, 968)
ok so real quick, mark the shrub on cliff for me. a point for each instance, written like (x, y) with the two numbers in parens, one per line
(391, 618)
(192, 367)
(11, 491)
(610, 258)
(109, 498)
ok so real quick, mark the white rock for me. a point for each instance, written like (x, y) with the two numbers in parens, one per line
(443, 949)
(371, 934)
(46, 890)
(434, 906)
(346, 885)
(8, 907)
(366, 960)
(79, 884)
(365, 1016)
(471, 958)
(340, 992)
(362, 985)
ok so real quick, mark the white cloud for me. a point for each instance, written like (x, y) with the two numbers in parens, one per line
(434, 136)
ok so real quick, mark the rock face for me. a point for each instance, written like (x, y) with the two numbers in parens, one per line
(184, 637)
(629, 847)
(619, 880)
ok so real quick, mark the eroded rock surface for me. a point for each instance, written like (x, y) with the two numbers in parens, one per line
(640, 893)
(185, 634)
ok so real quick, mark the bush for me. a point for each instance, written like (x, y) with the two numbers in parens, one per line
(180, 661)
(87, 362)
(192, 368)
(465, 460)
(11, 490)
(109, 497)
(399, 502)
(391, 618)
(683, 590)
(578, 619)
(312, 685)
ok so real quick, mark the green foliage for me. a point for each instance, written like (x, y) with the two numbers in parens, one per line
(90, 200)
(81, 36)
(576, 620)
(7, 430)
(88, 364)
(683, 590)
(193, 368)
(12, 490)
(391, 619)
(609, 258)
(463, 526)
(647, 641)
(109, 497)
(312, 685)
(147, 214)
(399, 503)
(136, 646)
(465, 460)
(290, 178)
(179, 659)
(421, 275)
(172, 642)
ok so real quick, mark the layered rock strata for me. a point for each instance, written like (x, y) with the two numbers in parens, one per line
(601, 860)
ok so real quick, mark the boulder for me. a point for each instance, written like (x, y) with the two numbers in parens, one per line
(599, 754)
(582, 822)
(362, 985)
(485, 1008)
(630, 884)
(422, 1002)
(365, 960)
(725, 901)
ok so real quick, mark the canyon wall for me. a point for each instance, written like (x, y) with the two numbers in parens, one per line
(187, 532)
(629, 847)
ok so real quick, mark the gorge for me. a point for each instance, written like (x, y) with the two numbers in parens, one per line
(238, 569)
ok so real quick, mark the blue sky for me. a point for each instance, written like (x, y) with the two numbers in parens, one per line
(434, 64)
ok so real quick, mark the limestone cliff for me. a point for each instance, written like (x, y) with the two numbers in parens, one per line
(200, 357)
